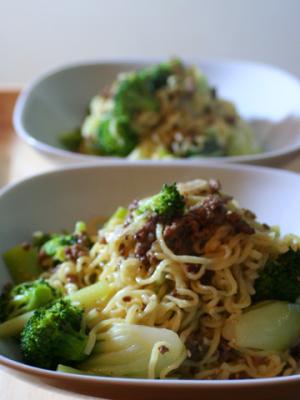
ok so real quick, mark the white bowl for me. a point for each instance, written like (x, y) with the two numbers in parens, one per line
(55, 200)
(266, 96)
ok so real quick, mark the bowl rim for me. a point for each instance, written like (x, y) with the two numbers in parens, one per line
(24, 368)
(58, 152)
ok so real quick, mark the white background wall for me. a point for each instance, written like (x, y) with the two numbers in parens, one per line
(36, 35)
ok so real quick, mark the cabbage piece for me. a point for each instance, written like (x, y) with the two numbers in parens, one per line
(269, 325)
(125, 350)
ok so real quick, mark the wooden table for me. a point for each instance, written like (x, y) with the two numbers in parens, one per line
(18, 160)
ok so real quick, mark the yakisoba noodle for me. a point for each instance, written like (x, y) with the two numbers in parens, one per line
(196, 295)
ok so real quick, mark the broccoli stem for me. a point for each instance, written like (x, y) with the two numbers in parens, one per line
(22, 263)
(69, 370)
(13, 327)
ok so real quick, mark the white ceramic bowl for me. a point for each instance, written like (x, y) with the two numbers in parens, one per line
(55, 200)
(266, 96)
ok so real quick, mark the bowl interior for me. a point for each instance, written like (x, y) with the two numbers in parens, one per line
(54, 201)
(265, 96)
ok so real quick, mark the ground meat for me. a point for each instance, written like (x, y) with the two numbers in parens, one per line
(227, 353)
(194, 345)
(193, 268)
(80, 248)
(144, 239)
(295, 351)
(72, 278)
(239, 225)
(122, 249)
(83, 240)
(163, 349)
(75, 251)
(230, 119)
(207, 277)
(188, 234)
(44, 260)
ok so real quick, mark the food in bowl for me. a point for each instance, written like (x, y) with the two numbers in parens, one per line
(168, 110)
(182, 284)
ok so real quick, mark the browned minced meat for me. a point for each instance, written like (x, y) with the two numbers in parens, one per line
(195, 347)
(193, 268)
(44, 260)
(199, 224)
(295, 351)
(79, 249)
(75, 251)
(207, 277)
(72, 278)
(230, 119)
(239, 225)
(227, 353)
(144, 239)
(122, 249)
(163, 349)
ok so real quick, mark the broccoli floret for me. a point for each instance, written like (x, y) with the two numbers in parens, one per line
(54, 335)
(56, 244)
(155, 77)
(136, 92)
(26, 297)
(211, 146)
(168, 203)
(116, 136)
(133, 96)
(279, 279)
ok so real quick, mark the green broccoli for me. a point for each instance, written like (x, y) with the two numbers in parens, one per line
(54, 335)
(71, 140)
(136, 92)
(116, 136)
(168, 203)
(279, 279)
(56, 244)
(26, 297)
(211, 146)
